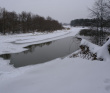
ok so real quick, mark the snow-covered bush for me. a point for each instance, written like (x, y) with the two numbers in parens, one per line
(86, 53)
(91, 51)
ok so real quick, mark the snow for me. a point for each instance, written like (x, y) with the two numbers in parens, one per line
(93, 48)
(102, 52)
(4, 66)
(67, 75)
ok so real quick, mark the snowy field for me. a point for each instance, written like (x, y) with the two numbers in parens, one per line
(68, 75)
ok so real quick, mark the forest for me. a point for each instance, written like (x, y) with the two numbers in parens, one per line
(89, 22)
(11, 22)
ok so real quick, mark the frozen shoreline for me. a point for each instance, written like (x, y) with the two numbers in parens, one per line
(16, 43)
(7, 45)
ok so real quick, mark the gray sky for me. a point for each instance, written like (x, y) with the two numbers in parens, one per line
(62, 10)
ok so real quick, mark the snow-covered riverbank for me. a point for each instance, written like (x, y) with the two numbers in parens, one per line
(67, 75)
(15, 43)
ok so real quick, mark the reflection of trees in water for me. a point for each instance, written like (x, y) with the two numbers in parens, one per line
(6, 56)
(32, 47)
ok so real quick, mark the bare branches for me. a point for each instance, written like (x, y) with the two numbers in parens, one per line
(11, 22)
(101, 12)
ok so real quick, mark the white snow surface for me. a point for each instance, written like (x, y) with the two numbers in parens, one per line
(103, 51)
(67, 75)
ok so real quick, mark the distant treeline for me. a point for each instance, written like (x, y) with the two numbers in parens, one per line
(89, 22)
(11, 22)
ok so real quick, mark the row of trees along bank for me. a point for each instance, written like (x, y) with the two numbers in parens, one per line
(88, 22)
(11, 22)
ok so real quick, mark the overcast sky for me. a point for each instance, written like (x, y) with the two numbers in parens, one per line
(62, 10)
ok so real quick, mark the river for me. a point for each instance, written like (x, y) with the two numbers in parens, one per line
(40, 53)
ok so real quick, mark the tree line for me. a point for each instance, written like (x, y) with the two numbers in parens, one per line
(99, 13)
(89, 22)
(11, 22)
(82, 22)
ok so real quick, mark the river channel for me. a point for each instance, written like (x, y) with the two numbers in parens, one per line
(40, 53)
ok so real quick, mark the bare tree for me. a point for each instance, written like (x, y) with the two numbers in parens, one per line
(100, 13)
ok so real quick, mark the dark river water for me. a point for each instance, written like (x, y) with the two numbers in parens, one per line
(40, 53)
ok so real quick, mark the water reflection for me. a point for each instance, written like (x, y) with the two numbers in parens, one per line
(31, 48)
(40, 53)
(6, 56)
